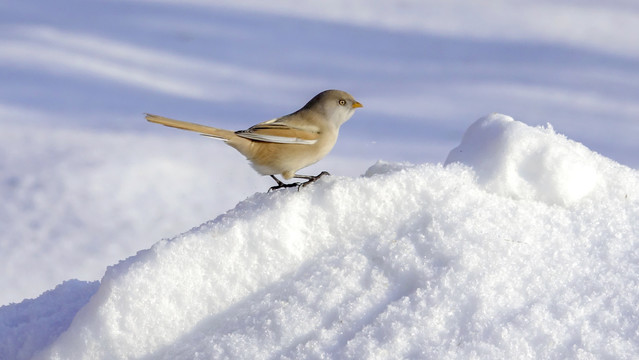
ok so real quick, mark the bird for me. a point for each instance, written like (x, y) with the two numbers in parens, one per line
(284, 145)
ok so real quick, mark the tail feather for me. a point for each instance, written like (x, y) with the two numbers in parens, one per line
(202, 129)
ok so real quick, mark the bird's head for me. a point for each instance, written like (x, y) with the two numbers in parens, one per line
(335, 105)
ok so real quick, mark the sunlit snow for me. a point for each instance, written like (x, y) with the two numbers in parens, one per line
(426, 261)
(440, 234)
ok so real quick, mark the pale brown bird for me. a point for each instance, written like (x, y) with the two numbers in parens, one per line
(285, 144)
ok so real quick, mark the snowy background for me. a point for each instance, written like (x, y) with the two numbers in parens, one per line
(86, 182)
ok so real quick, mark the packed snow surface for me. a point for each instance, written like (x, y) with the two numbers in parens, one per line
(525, 244)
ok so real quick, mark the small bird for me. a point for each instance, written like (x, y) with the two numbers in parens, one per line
(285, 144)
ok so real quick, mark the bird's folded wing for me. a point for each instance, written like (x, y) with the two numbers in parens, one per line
(280, 133)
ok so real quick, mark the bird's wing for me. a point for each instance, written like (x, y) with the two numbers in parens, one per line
(275, 132)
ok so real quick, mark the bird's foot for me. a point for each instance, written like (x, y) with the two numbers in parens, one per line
(284, 185)
(309, 179)
(281, 184)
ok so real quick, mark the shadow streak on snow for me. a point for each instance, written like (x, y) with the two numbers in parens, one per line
(259, 313)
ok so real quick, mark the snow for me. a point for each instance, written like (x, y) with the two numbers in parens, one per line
(85, 182)
(33, 324)
(511, 159)
(79, 81)
(58, 188)
(426, 261)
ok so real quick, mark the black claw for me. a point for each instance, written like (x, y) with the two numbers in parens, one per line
(283, 185)
(312, 179)
(309, 179)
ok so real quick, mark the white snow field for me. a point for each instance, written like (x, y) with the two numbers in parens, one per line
(524, 245)
(85, 181)
(532, 253)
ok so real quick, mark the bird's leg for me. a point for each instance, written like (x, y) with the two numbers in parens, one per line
(280, 184)
(310, 178)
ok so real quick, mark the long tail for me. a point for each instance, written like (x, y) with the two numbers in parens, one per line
(202, 129)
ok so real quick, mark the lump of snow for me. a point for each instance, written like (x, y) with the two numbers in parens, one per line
(511, 158)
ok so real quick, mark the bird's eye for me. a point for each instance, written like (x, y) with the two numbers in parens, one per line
(342, 102)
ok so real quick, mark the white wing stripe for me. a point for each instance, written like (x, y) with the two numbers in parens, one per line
(276, 139)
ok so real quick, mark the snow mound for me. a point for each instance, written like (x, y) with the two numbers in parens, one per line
(515, 160)
(33, 324)
(499, 259)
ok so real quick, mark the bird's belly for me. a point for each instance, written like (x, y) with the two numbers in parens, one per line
(286, 159)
